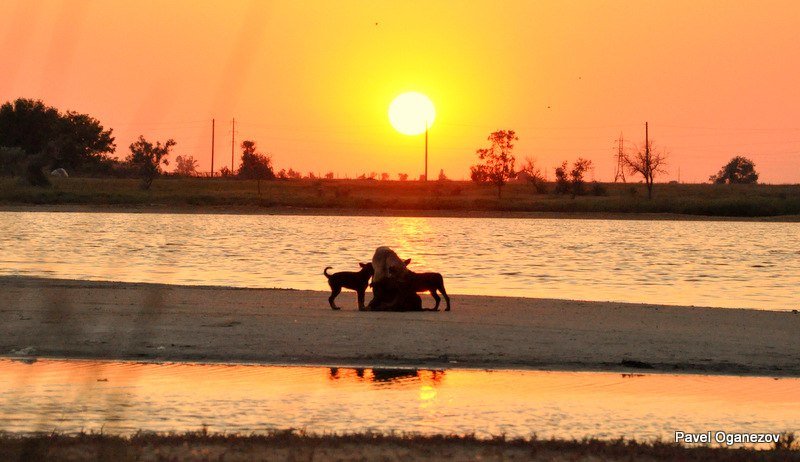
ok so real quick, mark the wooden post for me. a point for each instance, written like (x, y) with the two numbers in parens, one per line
(212, 148)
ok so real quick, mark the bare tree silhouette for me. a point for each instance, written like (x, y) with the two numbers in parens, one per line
(647, 162)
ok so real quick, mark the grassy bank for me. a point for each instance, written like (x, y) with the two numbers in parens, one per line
(290, 445)
(365, 195)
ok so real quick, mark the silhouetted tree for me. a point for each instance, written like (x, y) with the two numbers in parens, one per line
(497, 161)
(185, 166)
(402, 176)
(562, 180)
(329, 176)
(442, 176)
(225, 172)
(147, 158)
(384, 176)
(571, 180)
(254, 166)
(533, 175)
(293, 174)
(647, 162)
(70, 140)
(579, 168)
(739, 170)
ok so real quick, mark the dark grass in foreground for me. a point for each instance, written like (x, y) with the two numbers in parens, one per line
(366, 195)
(293, 445)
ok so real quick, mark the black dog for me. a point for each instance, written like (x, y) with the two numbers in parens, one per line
(354, 280)
(429, 282)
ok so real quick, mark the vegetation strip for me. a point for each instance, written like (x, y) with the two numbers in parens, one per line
(291, 444)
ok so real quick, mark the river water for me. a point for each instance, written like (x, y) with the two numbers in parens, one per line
(123, 397)
(709, 263)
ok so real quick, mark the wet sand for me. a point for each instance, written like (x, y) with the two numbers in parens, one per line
(78, 319)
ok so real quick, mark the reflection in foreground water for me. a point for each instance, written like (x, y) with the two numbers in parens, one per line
(68, 396)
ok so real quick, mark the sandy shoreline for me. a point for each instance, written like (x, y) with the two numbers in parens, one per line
(78, 319)
(311, 211)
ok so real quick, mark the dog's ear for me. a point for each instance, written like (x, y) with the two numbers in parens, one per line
(406, 262)
(363, 265)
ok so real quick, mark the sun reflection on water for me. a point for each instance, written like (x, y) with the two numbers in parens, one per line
(674, 263)
(125, 397)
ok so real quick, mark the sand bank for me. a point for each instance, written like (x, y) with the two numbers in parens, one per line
(78, 319)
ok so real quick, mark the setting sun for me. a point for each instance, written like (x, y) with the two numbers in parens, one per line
(411, 113)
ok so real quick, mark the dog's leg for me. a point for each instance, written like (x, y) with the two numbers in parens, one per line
(361, 294)
(446, 298)
(436, 298)
(335, 291)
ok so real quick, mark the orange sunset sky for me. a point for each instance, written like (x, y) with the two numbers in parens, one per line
(311, 82)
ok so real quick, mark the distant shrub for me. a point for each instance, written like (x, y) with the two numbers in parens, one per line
(562, 182)
(579, 168)
(598, 189)
(34, 173)
(533, 175)
(255, 165)
(185, 166)
(147, 158)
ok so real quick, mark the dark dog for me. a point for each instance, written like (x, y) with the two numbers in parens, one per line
(354, 280)
(429, 282)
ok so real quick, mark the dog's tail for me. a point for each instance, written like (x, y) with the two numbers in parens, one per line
(325, 271)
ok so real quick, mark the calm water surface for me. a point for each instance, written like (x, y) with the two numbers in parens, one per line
(721, 264)
(123, 397)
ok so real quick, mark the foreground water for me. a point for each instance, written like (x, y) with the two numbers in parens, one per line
(711, 263)
(123, 397)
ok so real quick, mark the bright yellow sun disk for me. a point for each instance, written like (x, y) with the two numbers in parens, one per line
(411, 113)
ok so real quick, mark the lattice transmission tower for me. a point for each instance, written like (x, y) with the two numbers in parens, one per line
(620, 171)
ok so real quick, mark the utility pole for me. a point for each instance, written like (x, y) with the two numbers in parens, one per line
(647, 167)
(620, 173)
(426, 150)
(233, 140)
(212, 148)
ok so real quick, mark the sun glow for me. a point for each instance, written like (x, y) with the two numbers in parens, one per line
(411, 113)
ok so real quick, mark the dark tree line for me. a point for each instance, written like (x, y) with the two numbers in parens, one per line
(35, 138)
(49, 138)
